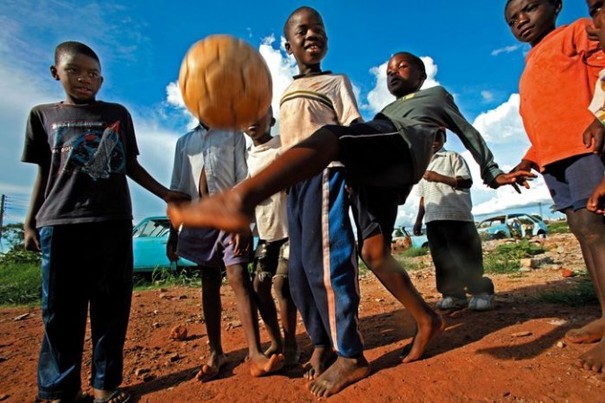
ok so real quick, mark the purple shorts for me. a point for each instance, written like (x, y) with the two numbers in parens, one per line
(210, 247)
(571, 181)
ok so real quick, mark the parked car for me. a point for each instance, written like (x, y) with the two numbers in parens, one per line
(149, 238)
(516, 225)
(416, 241)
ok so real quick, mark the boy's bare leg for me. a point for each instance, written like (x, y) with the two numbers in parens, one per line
(344, 372)
(322, 358)
(242, 287)
(266, 306)
(211, 306)
(589, 229)
(233, 210)
(398, 283)
(287, 313)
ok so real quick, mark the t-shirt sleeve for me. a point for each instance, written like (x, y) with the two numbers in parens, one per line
(175, 181)
(345, 104)
(132, 149)
(472, 140)
(460, 167)
(241, 166)
(36, 148)
(421, 188)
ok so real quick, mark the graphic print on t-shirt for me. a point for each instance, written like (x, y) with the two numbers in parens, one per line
(89, 147)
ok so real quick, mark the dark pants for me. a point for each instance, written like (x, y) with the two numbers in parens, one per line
(457, 255)
(82, 265)
(322, 268)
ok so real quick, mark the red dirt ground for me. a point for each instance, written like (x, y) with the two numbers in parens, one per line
(513, 353)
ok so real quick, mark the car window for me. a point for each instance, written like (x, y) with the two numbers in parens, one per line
(152, 228)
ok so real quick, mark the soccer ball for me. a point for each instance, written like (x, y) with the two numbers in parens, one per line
(225, 82)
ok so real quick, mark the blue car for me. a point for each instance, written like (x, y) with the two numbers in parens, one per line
(149, 238)
(516, 225)
(416, 241)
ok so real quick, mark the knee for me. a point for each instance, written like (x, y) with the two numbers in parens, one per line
(373, 254)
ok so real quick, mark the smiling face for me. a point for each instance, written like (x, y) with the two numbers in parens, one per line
(306, 39)
(532, 20)
(404, 75)
(80, 76)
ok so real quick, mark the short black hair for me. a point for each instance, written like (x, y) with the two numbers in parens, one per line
(553, 2)
(298, 10)
(73, 47)
(414, 60)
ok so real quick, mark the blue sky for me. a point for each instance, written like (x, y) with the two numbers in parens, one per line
(466, 45)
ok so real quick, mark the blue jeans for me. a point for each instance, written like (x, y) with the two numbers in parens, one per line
(82, 265)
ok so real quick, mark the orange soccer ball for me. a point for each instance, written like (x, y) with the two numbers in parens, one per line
(225, 82)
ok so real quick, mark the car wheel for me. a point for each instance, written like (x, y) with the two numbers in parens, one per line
(499, 235)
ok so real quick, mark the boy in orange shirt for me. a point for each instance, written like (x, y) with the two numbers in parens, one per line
(556, 118)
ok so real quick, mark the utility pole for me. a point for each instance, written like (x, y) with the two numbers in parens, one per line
(2, 204)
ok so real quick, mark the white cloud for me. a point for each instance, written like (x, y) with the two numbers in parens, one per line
(487, 96)
(502, 124)
(506, 49)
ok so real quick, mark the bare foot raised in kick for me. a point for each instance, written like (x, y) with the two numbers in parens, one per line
(594, 359)
(589, 333)
(426, 332)
(344, 372)
(261, 365)
(223, 211)
(212, 368)
(321, 359)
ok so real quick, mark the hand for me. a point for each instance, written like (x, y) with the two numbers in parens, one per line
(516, 178)
(596, 202)
(31, 239)
(175, 197)
(593, 137)
(432, 176)
(241, 242)
(418, 228)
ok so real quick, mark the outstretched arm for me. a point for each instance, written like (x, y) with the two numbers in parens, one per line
(233, 210)
(137, 173)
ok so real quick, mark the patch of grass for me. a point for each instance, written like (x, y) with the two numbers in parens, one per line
(504, 259)
(582, 294)
(167, 278)
(414, 252)
(20, 283)
(558, 227)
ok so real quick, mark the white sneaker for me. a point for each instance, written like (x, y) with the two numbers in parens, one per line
(448, 303)
(481, 302)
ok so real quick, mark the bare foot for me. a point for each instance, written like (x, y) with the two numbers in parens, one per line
(341, 374)
(589, 333)
(594, 359)
(321, 359)
(223, 211)
(292, 356)
(261, 365)
(426, 332)
(212, 368)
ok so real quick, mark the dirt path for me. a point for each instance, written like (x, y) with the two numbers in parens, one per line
(514, 353)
